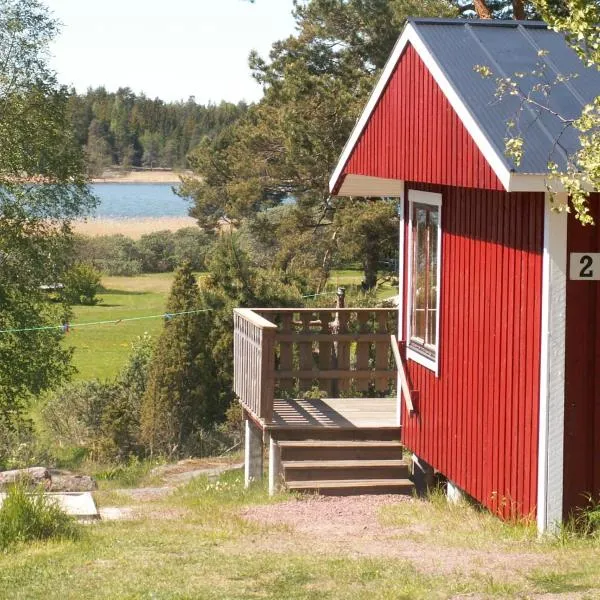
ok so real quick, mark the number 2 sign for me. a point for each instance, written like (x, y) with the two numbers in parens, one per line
(585, 266)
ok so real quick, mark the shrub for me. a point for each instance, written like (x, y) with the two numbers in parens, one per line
(112, 254)
(157, 250)
(25, 517)
(182, 393)
(19, 447)
(75, 413)
(192, 245)
(82, 283)
(103, 417)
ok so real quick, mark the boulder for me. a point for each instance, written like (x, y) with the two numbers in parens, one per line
(65, 481)
(33, 476)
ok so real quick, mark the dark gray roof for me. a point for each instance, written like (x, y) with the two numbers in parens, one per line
(509, 47)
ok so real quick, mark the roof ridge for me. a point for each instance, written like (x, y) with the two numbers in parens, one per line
(512, 23)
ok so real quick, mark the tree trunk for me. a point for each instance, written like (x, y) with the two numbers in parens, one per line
(482, 10)
(370, 267)
(518, 10)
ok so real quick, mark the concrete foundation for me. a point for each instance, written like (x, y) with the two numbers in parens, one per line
(275, 470)
(253, 455)
(454, 494)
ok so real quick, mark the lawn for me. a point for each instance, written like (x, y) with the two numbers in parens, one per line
(101, 350)
(203, 542)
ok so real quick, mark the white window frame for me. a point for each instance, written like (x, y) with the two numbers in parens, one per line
(433, 199)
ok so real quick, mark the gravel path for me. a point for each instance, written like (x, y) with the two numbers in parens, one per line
(352, 526)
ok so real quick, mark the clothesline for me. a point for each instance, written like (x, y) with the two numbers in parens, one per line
(66, 327)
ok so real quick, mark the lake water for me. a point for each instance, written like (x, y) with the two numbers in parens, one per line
(141, 200)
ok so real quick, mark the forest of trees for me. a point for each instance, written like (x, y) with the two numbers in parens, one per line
(122, 129)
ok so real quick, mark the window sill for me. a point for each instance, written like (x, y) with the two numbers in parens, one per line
(425, 361)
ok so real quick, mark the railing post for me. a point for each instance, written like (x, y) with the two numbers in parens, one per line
(267, 374)
(253, 453)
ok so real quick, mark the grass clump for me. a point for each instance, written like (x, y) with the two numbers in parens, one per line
(129, 474)
(29, 516)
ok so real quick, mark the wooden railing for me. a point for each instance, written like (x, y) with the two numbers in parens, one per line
(338, 351)
(254, 362)
(404, 385)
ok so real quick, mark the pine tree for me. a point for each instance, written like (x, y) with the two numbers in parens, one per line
(182, 393)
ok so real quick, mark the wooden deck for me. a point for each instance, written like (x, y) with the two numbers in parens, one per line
(335, 413)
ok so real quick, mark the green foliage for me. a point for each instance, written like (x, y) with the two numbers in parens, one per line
(157, 252)
(112, 254)
(182, 390)
(126, 130)
(235, 281)
(369, 234)
(579, 19)
(316, 83)
(27, 517)
(192, 245)
(37, 146)
(19, 446)
(103, 417)
(75, 414)
(125, 474)
(81, 285)
(500, 9)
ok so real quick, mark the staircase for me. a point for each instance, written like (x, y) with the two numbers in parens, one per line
(343, 462)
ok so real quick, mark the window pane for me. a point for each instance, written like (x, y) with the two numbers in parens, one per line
(425, 226)
(432, 276)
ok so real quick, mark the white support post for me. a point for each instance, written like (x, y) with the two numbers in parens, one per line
(275, 470)
(400, 295)
(253, 455)
(552, 371)
(453, 493)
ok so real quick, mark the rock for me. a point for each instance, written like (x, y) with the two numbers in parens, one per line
(33, 476)
(65, 481)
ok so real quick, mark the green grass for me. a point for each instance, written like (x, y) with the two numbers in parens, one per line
(102, 350)
(205, 548)
(26, 516)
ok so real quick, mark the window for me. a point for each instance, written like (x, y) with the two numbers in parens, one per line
(424, 273)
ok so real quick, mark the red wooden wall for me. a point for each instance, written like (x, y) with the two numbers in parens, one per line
(414, 134)
(478, 422)
(582, 377)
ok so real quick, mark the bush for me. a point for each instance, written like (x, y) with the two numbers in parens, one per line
(19, 448)
(25, 517)
(82, 283)
(157, 250)
(75, 413)
(103, 417)
(193, 245)
(112, 254)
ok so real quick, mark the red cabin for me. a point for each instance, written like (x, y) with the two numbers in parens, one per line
(500, 295)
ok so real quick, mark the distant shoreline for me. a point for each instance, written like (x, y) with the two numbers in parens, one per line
(141, 177)
(133, 227)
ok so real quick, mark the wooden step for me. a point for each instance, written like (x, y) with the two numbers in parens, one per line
(307, 470)
(335, 433)
(296, 450)
(353, 487)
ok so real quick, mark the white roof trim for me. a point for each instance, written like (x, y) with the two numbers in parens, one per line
(410, 35)
(371, 187)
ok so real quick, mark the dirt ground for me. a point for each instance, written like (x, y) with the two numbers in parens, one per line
(349, 526)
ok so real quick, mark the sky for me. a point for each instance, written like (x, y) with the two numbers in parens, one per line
(171, 49)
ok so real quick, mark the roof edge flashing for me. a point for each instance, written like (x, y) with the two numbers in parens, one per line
(510, 23)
